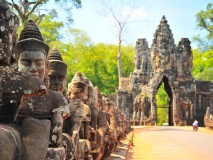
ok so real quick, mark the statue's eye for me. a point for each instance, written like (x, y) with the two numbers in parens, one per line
(39, 62)
(51, 77)
(61, 78)
(25, 62)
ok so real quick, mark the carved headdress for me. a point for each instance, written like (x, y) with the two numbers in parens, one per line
(78, 83)
(31, 40)
(9, 25)
(57, 66)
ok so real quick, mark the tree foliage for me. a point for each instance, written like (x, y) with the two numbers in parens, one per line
(203, 65)
(204, 20)
(49, 28)
(26, 8)
(119, 12)
(96, 61)
(162, 100)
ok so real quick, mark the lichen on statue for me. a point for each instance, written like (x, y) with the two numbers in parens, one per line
(31, 55)
(14, 86)
(57, 72)
(57, 82)
(102, 124)
(108, 110)
(78, 90)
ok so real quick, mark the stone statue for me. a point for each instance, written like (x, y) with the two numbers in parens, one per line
(119, 124)
(78, 89)
(14, 86)
(142, 108)
(137, 107)
(102, 124)
(111, 139)
(57, 72)
(31, 54)
(57, 78)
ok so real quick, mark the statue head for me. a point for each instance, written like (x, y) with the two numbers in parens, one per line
(108, 105)
(105, 102)
(77, 88)
(90, 92)
(8, 27)
(112, 108)
(31, 52)
(57, 72)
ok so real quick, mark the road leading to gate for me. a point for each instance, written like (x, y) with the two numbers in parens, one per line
(171, 143)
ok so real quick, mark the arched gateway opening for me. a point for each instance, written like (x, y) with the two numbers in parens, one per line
(164, 99)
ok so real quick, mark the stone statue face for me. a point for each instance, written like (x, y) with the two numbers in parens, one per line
(105, 105)
(57, 82)
(78, 91)
(33, 63)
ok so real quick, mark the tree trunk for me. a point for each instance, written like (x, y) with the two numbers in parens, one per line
(119, 62)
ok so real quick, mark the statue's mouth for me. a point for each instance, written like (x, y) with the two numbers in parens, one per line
(55, 87)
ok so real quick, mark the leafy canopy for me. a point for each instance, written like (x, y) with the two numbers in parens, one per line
(41, 8)
(204, 20)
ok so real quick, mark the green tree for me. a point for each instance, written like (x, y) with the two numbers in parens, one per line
(162, 100)
(95, 61)
(205, 22)
(120, 13)
(50, 30)
(27, 8)
(203, 65)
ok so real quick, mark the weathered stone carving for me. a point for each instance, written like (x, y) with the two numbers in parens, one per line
(31, 54)
(14, 86)
(142, 110)
(101, 124)
(71, 127)
(110, 135)
(57, 72)
(172, 65)
(78, 89)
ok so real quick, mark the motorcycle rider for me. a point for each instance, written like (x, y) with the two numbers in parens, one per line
(195, 124)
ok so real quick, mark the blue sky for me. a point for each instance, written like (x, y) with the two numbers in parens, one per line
(180, 15)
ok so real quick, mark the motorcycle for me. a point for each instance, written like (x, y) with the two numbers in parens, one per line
(195, 128)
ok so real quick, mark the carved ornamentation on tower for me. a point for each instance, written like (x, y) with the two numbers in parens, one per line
(165, 62)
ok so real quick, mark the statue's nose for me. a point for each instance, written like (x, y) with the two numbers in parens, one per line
(33, 67)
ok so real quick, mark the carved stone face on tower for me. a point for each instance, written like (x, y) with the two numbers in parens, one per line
(31, 52)
(57, 71)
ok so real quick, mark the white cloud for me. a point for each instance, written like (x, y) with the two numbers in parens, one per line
(137, 14)
(140, 14)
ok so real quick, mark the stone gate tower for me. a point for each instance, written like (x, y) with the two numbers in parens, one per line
(165, 62)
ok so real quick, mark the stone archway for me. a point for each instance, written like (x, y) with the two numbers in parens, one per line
(165, 62)
(168, 90)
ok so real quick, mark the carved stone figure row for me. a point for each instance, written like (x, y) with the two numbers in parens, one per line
(98, 131)
(37, 119)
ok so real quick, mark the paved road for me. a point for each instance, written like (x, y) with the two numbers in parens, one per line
(171, 143)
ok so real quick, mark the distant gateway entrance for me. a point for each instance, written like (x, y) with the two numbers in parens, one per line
(167, 109)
